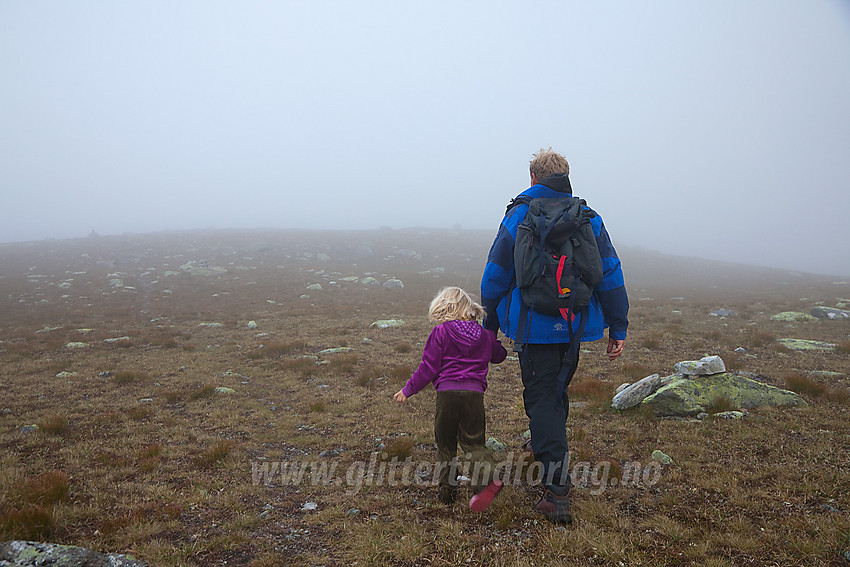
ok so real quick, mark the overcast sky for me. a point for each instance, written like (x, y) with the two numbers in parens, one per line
(715, 129)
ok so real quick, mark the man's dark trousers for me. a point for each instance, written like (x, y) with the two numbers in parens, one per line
(547, 406)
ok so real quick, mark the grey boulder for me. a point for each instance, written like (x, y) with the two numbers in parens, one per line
(32, 554)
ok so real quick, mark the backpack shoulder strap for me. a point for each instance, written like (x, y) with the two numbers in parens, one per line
(519, 200)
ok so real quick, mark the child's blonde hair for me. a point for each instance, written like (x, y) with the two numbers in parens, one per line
(452, 303)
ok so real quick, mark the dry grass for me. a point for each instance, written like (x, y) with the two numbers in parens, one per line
(54, 424)
(151, 460)
(123, 377)
(215, 453)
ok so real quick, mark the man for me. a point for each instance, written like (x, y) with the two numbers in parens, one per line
(546, 338)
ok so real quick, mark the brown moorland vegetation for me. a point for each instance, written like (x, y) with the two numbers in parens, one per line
(159, 409)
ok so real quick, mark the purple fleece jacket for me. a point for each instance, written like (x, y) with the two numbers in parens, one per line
(456, 357)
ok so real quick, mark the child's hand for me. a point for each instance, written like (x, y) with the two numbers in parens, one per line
(400, 397)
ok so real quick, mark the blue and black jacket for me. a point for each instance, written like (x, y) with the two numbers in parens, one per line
(609, 305)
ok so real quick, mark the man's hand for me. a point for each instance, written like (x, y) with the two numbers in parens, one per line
(615, 348)
(400, 397)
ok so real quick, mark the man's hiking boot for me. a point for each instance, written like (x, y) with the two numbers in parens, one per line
(447, 494)
(482, 500)
(555, 508)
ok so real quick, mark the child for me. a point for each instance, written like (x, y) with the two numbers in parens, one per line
(456, 359)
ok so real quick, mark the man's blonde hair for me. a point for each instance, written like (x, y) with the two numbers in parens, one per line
(452, 304)
(546, 162)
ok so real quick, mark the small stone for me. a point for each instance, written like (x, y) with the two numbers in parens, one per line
(66, 374)
(394, 283)
(353, 512)
(116, 339)
(728, 415)
(252, 324)
(385, 323)
(662, 458)
(370, 281)
(224, 390)
(723, 313)
(367, 341)
(314, 287)
(702, 415)
(495, 445)
(705, 366)
(336, 350)
(634, 394)
(75, 344)
(29, 428)
(741, 350)
(309, 506)
(211, 325)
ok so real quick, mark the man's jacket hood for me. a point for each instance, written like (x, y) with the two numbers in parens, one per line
(559, 182)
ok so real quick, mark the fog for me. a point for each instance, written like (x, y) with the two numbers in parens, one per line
(712, 129)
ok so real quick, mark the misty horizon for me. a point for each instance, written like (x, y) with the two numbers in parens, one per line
(716, 131)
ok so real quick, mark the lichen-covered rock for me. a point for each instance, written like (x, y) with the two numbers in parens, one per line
(75, 344)
(315, 287)
(394, 283)
(661, 457)
(201, 269)
(830, 313)
(225, 390)
(728, 415)
(369, 280)
(702, 367)
(805, 344)
(33, 554)
(691, 396)
(495, 445)
(793, 317)
(252, 324)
